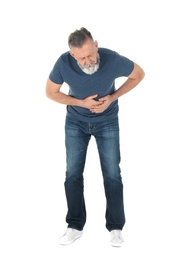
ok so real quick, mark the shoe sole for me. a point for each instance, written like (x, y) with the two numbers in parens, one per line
(117, 244)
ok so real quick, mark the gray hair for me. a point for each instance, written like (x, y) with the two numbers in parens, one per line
(78, 38)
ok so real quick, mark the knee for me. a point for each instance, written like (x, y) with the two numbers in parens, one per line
(112, 172)
(73, 178)
(114, 178)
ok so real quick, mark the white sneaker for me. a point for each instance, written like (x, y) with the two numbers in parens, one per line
(116, 238)
(70, 236)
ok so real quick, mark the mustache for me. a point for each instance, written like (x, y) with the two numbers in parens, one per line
(87, 66)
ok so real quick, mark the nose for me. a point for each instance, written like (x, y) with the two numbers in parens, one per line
(87, 61)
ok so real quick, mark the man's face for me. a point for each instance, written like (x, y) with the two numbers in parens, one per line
(86, 56)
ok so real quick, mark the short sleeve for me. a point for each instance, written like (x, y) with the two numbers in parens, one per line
(124, 65)
(55, 75)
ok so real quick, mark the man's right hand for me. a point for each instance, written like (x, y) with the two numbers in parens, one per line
(90, 102)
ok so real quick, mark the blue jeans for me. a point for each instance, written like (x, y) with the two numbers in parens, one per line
(77, 136)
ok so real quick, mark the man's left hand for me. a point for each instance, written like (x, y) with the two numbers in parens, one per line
(101, 108)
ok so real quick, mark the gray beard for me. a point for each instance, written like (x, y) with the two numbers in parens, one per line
(91, 68)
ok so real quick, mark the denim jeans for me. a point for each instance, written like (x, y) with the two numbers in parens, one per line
(77, 136)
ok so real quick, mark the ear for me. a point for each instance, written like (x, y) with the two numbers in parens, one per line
(96, 44)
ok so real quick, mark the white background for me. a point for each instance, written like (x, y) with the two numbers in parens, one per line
(32, 167)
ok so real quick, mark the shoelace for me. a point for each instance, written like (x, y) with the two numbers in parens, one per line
(69, 233)
(116, 233)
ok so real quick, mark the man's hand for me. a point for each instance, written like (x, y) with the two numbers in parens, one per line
(105, 102)
(90, 102)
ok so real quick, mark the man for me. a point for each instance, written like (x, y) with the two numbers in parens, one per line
(92, 110)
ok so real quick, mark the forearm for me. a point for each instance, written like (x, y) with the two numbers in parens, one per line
(133, 80)
(65, 99)
(128, 85)
(62, 98)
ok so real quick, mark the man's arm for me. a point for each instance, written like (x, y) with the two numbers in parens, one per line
(53, 92)
(133, 80)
